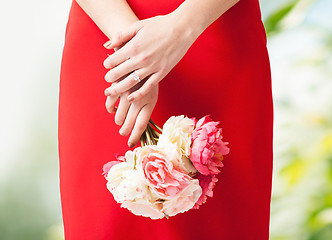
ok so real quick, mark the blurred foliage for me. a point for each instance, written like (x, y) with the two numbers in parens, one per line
(302, 198)
(29, 200)
(272, 22)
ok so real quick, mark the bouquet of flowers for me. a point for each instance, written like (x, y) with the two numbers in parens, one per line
(173, 171)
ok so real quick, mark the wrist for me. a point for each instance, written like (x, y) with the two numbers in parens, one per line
(183, 30)
(187, 22)
(121, 24)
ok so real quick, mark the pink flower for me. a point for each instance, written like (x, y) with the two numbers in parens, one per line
(207, 148)
(184, 201)
(109, 165)
(207, 184)
(161, 176)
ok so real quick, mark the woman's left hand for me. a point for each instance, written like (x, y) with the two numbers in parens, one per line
(134, 116)
(149, 49)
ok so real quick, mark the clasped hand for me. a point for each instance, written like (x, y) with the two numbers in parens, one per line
(148, 49)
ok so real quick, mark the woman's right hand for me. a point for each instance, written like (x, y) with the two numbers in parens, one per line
(149, 48)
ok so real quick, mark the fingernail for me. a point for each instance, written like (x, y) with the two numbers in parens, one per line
(130, 98)
(107, 44)
(106, 93)
(131, 145)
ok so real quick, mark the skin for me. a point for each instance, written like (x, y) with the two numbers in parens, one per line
(150, 47)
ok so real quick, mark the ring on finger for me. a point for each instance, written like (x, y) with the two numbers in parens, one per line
(136, 77)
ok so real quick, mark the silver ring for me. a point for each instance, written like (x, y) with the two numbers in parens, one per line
(136, 77)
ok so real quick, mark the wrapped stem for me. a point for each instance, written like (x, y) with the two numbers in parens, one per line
(150, 135)
(155, 125)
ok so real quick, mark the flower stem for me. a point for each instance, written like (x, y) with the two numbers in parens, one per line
(142, 141)
(150, 135)
(155, 125)
(148, 139)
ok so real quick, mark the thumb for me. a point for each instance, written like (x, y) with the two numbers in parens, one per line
(122, 37)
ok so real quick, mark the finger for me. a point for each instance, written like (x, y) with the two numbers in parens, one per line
(127, 83)
(129, 123)
(150, 83)
(122, 37)
(110, 103)
(116, 58)
(140, 125)
(121, 70)
(122, 110)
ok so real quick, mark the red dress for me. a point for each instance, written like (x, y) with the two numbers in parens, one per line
(225, 73)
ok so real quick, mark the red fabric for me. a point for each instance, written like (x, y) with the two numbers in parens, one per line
(226, 74)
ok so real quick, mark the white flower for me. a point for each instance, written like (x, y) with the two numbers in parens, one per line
(131, 157)
(184, 201)
(175, 142)
(128, 188)
(114, 177)
(177, 130)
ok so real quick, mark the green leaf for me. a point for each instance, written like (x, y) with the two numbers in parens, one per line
(272, 23)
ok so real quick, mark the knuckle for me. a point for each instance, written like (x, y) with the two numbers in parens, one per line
(134, 48)
(162, 71)
(138, 95)
(145, 57)
(149, 86)
(152, 84)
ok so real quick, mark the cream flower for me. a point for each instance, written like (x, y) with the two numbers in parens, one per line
(177, 130)
(175, 142)
(181, 162)
(128, 188)
(131, 157)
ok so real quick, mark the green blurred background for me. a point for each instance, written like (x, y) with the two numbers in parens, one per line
(299, 43)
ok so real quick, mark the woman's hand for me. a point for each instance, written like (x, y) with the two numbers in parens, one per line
(149, 49)
(134, 116)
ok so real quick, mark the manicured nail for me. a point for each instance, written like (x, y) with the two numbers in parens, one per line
(107, 44)
(131, 145)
